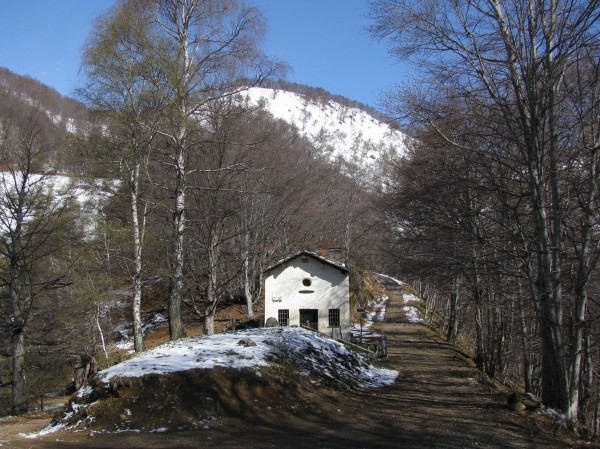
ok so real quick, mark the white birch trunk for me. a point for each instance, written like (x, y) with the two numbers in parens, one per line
(176, 328)
(248, 276)
(213, 279)
(138, 232)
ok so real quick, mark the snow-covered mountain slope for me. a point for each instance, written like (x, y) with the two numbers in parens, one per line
(340, 131)
(89, 195)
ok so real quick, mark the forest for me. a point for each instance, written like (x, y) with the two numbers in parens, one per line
(491, 213)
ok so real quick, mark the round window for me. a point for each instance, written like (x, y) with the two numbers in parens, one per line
(306, 282)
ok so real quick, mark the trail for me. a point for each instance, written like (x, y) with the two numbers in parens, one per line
(439, 401)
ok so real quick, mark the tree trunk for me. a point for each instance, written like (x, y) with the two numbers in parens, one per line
(480, 356)
(21, 305)
(577, 352)
(554, 373)
(480, 353)
(525, 341)
(19, 397)
(596, 423)
(213, 279)
(581, 291)
(176, 329)
(247, 276)
(453, 318)
(588, 381)
(208, 324)
(182, 90)
(101, 333)
(138, 239)
(496, 340)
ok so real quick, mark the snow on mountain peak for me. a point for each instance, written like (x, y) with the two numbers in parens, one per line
(340, 131)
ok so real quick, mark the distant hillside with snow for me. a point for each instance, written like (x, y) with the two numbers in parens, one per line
(349, 133)
(64, 112)
(342, 129)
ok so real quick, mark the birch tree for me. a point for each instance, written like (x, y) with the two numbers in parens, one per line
(201, 51)
(117, 88)
(191, 53)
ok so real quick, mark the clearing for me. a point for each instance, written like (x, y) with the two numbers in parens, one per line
(440, 400)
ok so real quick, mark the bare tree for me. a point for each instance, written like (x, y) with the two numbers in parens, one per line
(201, 50)
(30, 218)
(508, 61)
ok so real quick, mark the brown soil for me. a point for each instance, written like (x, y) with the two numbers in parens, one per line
(440, 400)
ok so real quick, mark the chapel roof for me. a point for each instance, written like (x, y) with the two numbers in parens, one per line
(340, 267)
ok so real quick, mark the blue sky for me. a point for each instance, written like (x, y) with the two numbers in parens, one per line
(324, 42)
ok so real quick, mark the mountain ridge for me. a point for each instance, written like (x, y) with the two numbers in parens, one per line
(342, 129)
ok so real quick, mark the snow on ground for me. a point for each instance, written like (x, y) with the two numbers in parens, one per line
(191, 353)
(125, 330)
(350, 133)
(412, 313)
(390, 278)
(409, 297)
(376, 315)
(558, 417)
(316, 354)
(323, 358)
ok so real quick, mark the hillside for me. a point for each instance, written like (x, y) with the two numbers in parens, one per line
(340, 131)
(336, 126)
(65, 124)
(64, 112)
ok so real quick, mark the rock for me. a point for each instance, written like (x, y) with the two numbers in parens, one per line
(517, 406)
(514, 402)
(519, 402)
(84, 369)
(272, 322)
(531, 401)
(246, 342)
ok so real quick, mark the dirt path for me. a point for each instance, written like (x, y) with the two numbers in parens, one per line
(441, 400)
(437, 402)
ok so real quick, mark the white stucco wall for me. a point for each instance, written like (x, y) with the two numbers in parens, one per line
(329, 289)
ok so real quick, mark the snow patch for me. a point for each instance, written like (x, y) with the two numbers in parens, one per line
(342, 132)
(409, 297)
(376, 315)
(413, 315)
(390, 278)
(319, 354)
(558, 417)
(192, 353)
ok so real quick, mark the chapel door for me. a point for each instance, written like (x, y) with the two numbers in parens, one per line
(310, 318)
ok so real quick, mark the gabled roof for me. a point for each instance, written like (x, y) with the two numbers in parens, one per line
(342, 268)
